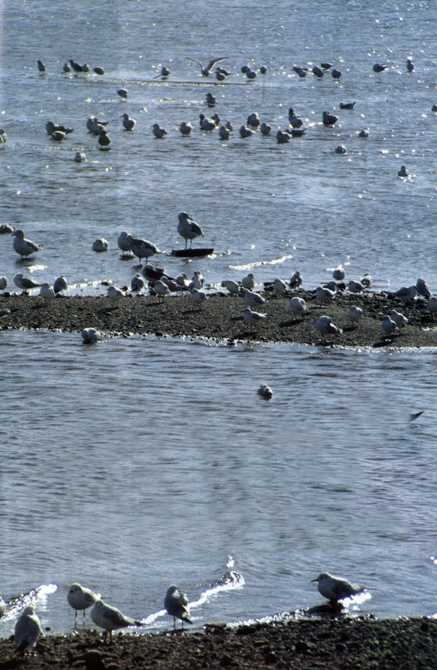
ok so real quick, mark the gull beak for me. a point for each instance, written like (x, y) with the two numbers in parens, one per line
(314, 580)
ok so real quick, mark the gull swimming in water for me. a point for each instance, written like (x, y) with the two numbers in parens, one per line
(104, 140)
(110, 618)
(329, 120)
(80, 598)
(122, 92)
(265, 392)
(176, 605)
(24, 283)
(23, 246)
(187, 228)
(158, 132)
(185, 128)
(3, 136)
(27, 630)
(128, 122)
(265, 129)
(91, 335)
(224, 133)
(336, 588)
(205, 70)
(100, 245)
(246, 132)
(124, 244)
(41, 67)
(80, 157)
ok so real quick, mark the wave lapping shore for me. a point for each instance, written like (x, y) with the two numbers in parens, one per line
(220, 317)
(347, 644)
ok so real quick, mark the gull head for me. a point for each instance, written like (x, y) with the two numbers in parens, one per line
(29, 610)
(19, 234)
(321, 577)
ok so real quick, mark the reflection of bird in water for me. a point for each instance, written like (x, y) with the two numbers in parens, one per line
(205, 70)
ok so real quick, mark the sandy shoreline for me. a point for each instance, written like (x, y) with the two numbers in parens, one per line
(219, 317)
(352, 644)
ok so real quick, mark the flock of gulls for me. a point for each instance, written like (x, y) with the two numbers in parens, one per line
(28, 629)
(208, 124)
(156, 282)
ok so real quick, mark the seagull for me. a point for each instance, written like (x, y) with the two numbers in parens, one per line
(100, 245)
(378, 67)
(324, 296)
(137, 283)
(253, 120)
(3, 136)
(250, 315)
(317, 71)
(279, 288)
(367, 281)
(252, 298)
(207, 124)
(248, 281)
(355, 286)
(210, 100)
(198, 296)
(399, 318)
(363, 133)
(99, 70)
(295, 280)
(282, 137)
(246, 132)
(328, 119)
(115, 293)
(423, 288)
(265, 129)
(143, 248)
(176, 605)
(205, 70)
(46, 291)
(340, 149)
(338, 274)
(41, 67)
(432, 305)
(403, 172)
(410, 65)
(90, 335)
(355, 313)
(80, 157)
(80, 597)
(326, 326)
(24, 283)
(159, 288)
(347, 105)
(110, 618)
(415, 415)
(224, 133)
(265, 392)
(60, 284)
(104, 140)
(27, 630)
(158, 132)
(128, 122)
(22, 246)
(187, 228)
(300, 71)
(122, 92)
(297, 306)
(336, 588)
(389, 327)
(336, 74)
(124, 244)
(233, 287)
(197, 281)
(185, 128)
(3, 283)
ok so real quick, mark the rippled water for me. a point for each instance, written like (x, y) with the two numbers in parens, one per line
(143, 462)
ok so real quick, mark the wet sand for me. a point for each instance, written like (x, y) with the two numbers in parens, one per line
(348, 644)
(219, 317)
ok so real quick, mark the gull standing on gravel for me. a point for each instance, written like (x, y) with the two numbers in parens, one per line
(110, 618)
(252, 298)
(176, 605)
(325, 325)
(60, 284)
(250, 315)
(297, 306)
(3, 283)
(233, 287)
(197, 281)
(46, 291)
(432, 305)
(324, 296)
(355, 286)
(27, 630)
(400, 319)
(248, 281)
(24, 283)
(355, 313)
(279, 288)
(388, 327)
(159, 288)
(80, 598)
(295, 280)
(336, 588)
(23, 246)
(137, 283)
(115, 293)
(423, 289)
(187, 228)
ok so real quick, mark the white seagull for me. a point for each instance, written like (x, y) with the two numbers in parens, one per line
(336, 588)
(297, 306)
(143, 248)
(326, 326)
(80, 598)
(252, 298)
(100, 245)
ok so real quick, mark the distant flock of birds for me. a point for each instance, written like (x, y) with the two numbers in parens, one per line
(28, 627)
(162, 285)
(97, 127)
